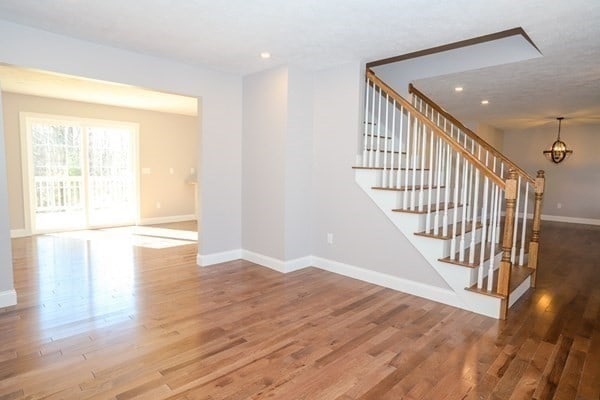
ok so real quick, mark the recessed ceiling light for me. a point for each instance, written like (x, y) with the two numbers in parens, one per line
(265, 55)
(484, 102)
(458, 89)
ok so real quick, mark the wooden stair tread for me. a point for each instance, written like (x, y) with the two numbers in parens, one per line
(405, 188)
(517, 275)
(477, 260)
(394, 168)
(377, 136)
(433, 209)
(468, 228)
(384, 151)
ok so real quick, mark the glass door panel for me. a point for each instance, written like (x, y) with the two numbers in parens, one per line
(58, 192)
(111, 178)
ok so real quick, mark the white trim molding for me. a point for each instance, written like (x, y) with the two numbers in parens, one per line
(19, 233)
(434, 293)
(275, 264)
(441, 295)
(218, 258)
(8, 298)
(570, 220)
(167, 220)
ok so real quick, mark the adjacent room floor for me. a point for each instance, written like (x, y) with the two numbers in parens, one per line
(126, 313)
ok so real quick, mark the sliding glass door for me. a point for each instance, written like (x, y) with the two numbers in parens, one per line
(81, 173)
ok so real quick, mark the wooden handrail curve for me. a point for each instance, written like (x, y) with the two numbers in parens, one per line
(440, 132)
(413, 90)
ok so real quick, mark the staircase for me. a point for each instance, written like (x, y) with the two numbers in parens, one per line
(472, 213)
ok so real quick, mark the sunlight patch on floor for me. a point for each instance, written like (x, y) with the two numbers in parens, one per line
(140, 236)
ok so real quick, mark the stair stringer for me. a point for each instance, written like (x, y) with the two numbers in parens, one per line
(457, 277)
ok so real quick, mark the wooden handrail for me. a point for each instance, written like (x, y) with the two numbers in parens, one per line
(413, 90)
(440, 132)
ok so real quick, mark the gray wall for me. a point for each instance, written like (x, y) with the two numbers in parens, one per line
(6, 271)
(363, 235)
(263, 162)
(575, 183)
(277, 158)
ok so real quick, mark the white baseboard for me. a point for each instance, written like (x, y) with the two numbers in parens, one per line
(570, 220)
(275, 264)
(167, 220)
(18, 233)
(8, 298)
(519, 291)
(217, 258)
(434, 293)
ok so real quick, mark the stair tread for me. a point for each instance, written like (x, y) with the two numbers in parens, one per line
(394, 168)
(517, 275)
(433, 209)
(468, 228)
(477, 260)
(405, 188)
(377, 136)
(384, 151)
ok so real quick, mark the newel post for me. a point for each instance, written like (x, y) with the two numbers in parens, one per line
(534, 244)
(510, 194)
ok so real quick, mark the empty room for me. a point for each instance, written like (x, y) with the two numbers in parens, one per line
(299, 200)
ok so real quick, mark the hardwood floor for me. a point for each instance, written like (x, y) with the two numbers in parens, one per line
(99, 318)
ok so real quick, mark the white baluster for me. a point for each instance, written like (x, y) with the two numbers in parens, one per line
(463, 230)
(373, 127)
(384, 174)
(423, 157)
(432, 155)
(500, 199)
(447, 184)
(415, 152)
(366, 133)
(438, 183)
(513, 251)
(377, 139)
(455, 221)
(393, 145)
(407, 163)
(484, 213)
(522, 252)
(400, 131)
(474, 219)
(490, 283)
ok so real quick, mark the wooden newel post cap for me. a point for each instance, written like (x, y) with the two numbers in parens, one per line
(512, 173)
(540, 173)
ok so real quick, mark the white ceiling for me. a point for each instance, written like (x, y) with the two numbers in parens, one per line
(315, 34)
(47, 84)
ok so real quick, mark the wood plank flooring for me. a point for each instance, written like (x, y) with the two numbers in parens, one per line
(99, 318)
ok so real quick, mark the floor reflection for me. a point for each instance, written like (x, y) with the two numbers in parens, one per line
(91, 274)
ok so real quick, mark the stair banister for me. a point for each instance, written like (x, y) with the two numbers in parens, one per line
(436, 153)
(510, 194)
(413, 90)
(431, 125)
(534, 244)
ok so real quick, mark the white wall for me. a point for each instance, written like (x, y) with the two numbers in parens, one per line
(575, 183)
(277, 159)
(298, 165)
(6, 272)
(363, 235)
(263, 155)
(220, 105)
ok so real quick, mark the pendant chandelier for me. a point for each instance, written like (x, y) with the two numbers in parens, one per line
(558, 152)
